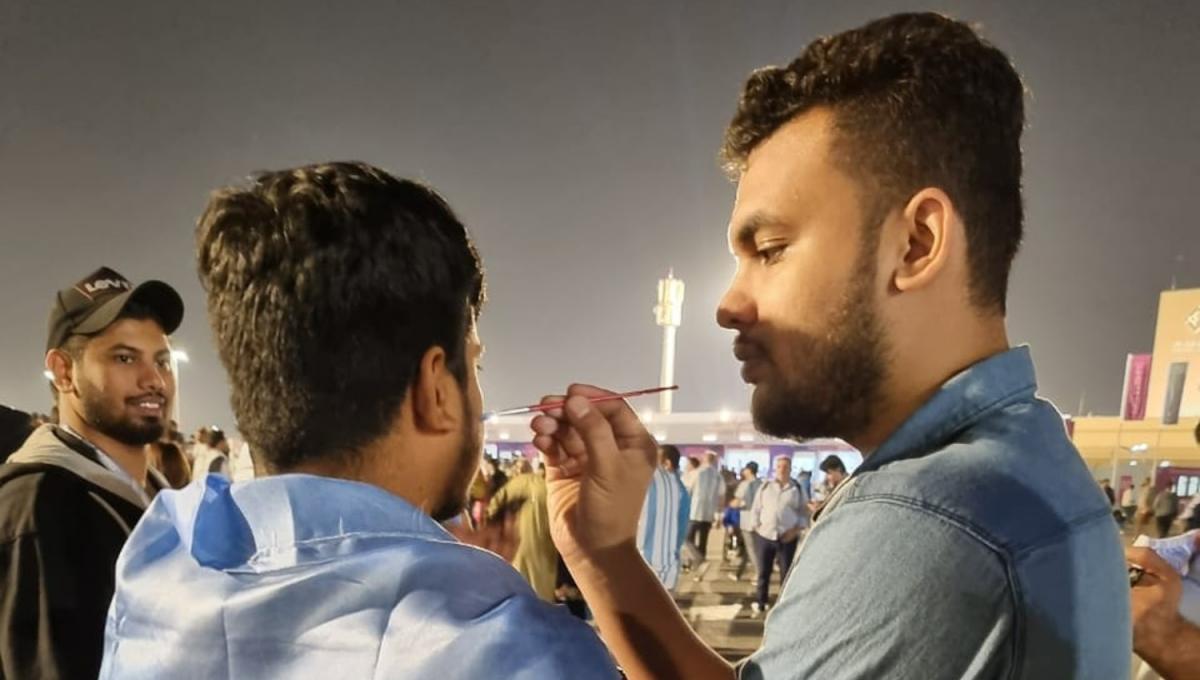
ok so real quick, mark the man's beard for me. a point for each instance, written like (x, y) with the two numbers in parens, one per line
(108, 419)
(837, 386)
(466, 465)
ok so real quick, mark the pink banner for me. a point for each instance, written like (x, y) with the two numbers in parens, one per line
(1137, 386)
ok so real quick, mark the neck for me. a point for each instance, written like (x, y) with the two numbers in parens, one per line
(923, 374)
(387, 463)
(132, 459)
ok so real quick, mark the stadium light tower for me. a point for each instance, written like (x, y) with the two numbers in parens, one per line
(668, 313)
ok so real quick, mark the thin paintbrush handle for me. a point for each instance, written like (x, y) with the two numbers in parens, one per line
(592, 400)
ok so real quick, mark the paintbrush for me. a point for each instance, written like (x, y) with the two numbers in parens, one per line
(534, 408)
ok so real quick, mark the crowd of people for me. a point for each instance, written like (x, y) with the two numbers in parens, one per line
(877, 217)
(1149, 505)
(763, 520)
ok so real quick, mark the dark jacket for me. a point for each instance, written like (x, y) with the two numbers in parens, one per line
(15, 427)
(63, 520)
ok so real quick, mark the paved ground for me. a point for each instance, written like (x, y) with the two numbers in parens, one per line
(719, 607)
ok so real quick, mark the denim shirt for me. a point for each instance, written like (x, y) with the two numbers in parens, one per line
(973, 543)
(297, 576)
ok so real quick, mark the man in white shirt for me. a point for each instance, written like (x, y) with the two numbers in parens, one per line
(1129, 502)
(743, 499)
(780, 514)
(210, 453)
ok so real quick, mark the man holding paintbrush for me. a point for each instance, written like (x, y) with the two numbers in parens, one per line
(877, 216)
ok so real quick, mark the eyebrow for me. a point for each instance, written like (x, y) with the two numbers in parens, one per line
(121, 347)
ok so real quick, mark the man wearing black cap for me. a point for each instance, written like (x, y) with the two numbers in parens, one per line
(71, 494)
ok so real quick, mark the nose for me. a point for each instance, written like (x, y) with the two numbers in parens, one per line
(154, 379)
(736, 310)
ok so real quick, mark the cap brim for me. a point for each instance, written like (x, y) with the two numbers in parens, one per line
(160, 298)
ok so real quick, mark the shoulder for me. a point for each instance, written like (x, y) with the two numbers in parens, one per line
(472, 615)
(36, 497)
(890, 577)
(1014, 479)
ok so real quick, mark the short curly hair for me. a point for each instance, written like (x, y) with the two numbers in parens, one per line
(326, 285)
(918, 100)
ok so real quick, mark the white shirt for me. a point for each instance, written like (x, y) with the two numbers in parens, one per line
(746, 492)
(1128, 497)
(779, 509)
(206, 459)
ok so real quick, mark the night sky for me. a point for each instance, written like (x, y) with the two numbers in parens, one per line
(578, 142)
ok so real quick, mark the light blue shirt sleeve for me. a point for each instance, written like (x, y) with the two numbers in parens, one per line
(889, 590)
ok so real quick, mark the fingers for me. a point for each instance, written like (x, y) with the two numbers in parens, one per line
(562, 450)
(1151, 563)
(624, 422)
(569, 434)
(590, 431)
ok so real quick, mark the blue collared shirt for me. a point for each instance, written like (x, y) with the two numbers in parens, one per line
(973, 543)
(296, 576)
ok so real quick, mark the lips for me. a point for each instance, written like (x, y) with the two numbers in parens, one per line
(752, 358)
(745, 350)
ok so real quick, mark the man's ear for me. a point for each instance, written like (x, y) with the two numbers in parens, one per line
(60, 365)
(437, 404)
(930, 226)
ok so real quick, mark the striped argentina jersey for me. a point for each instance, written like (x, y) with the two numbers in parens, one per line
(662, 526)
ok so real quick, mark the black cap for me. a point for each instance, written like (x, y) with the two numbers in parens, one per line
(95, 302)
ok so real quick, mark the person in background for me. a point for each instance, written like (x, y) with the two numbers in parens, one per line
(173, 434)
(210, 455)
(663, 522)
(1111, 495)
(743, 499)
(706, 494)
(804, 479)
(1129, 500)
(15, 428)
(835, 474)
(1106, 487)
(71, 494)
(691, 469)
(487, 483)
(729, 482)
(1189, 517)
(1145, 508)
(522, 500)
(1166, 508)
(779, 516)
(166, 457)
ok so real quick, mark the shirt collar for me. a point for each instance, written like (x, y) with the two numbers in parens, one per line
(286, 520)
(154, 481)
(964, 399)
